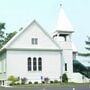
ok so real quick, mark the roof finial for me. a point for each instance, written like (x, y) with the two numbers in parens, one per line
(60, 5)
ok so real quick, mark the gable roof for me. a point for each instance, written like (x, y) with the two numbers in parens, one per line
(20, 32)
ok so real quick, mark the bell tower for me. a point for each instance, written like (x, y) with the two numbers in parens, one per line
(63, 28)
(62, 36)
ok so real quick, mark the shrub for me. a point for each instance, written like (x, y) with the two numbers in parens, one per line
(46, 80)
(23, 80)
(35, 82)
(18, 83)
(64, 78)
(12, 80)
(51, 82)
(43, 82)
(29, 82)
(11, 84)
(55, 81)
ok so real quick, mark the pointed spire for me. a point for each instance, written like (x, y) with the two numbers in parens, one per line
(63, 24)
(60, 5)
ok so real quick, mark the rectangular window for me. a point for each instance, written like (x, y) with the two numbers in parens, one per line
(34, 41)
(65, 66)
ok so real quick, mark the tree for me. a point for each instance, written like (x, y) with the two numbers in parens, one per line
(87, 42)
(9, 36)
(2, 26)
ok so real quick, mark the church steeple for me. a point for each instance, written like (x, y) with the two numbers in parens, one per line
(63, 28)
(63, 23)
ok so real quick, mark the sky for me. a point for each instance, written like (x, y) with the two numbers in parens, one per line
(19, 13)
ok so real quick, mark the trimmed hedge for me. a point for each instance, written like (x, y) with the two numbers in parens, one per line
(29, 82)
(51, 82)
(35, 82)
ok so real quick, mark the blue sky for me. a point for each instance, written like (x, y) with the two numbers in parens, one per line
(18, 13)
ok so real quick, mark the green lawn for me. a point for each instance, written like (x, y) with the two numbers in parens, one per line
(56, 85)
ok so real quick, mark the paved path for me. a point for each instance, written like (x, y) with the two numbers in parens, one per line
(66, 88)
(47, 88)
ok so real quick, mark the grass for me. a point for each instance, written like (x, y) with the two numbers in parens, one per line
(56, 85)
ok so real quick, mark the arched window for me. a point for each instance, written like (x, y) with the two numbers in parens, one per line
(29, 64)
(39, 64)
(34, 64)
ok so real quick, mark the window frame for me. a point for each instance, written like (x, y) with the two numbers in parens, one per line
(29, 64)
(34, 41)
(34, 64)
(39, 64)
(65, 66)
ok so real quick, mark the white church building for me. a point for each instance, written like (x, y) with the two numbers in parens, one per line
(33, 53)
